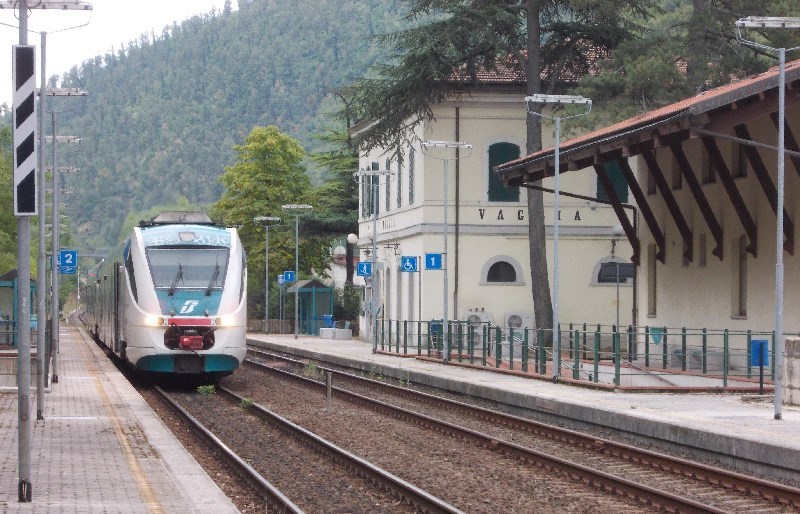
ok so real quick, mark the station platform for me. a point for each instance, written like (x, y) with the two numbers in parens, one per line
(733, 428)
(100, 448)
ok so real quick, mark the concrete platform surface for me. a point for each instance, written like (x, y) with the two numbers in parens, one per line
(739, 429)
(100, 447)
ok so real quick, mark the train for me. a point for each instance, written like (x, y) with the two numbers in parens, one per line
(176, 304)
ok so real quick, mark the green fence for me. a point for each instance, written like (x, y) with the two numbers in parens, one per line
(597, 353)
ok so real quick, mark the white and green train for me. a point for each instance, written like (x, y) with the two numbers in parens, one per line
(176, 302)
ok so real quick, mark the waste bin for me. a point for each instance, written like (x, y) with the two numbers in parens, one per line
(327, 321)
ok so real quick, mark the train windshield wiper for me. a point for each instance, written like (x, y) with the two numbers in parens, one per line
(178, 276)
(213, 280)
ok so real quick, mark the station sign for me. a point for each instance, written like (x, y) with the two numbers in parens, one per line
(288, 276)
(434, 261)
(68, 262)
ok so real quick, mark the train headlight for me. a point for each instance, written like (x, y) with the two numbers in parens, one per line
(226, 321)
(152, 320)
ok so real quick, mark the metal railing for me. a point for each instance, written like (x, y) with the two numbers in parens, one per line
(620, 356)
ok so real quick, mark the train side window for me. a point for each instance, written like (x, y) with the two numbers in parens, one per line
(131, 275)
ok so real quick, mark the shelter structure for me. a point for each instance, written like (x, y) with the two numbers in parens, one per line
(706, 190)
(9, 293)
(315, 305)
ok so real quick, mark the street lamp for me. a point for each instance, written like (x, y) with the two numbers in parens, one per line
(775, 23)
(54, 138)
(558, 100)
(458, 145)
(296, 210)
(266, 221)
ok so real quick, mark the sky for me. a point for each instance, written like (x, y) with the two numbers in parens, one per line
(111, 23)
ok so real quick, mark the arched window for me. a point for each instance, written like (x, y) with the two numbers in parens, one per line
(612, 270)
(500, 153)
(502, 270)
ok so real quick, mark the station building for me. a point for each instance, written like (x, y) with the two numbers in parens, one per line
(487, 262)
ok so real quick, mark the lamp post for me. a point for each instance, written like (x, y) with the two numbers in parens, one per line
(25, 487)
(618, 232)
(558, 100)
(351, 240)
(56, 245)
(296, 210)
(266, 221)
(775, 23)
(373, 304)
(458, 145)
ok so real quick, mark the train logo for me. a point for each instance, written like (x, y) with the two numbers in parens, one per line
(189, 306)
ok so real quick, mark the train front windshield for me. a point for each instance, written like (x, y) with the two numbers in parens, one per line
(193, 267)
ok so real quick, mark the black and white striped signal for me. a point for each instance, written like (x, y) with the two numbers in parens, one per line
(24, 125)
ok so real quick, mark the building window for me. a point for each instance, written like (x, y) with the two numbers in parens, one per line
(613, 271)
(411, 153)
(708, 173)
(740, 278)
(651, 280)
(618, 182)
(740, 162)
(501, 272)
(399, 178)
(701, 250)
(502, 269)
(364, 199)
(500, 153)
(677, 176)
(388, 184)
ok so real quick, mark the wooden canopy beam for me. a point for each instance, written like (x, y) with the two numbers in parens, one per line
(672, 204)
(789, 140)
(768, 187)
(699, 198)
(733, 193)
(644, 207)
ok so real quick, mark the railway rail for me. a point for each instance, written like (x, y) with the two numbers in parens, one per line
(272, 495)
(623, 468)
(385, 486)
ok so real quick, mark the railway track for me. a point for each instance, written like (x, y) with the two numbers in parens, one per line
(328, 477)
(272, 495)
(664, 480)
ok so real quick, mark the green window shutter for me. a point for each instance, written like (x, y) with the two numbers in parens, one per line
(618, 182)
(500, 153)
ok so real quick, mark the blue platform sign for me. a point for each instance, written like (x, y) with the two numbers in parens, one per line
(364, 269)
(67, 262)
(759, 352)
(288, 276)
(434, 261)
(408, 263)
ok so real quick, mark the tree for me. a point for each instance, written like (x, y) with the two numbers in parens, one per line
(545, 40)
(688, 47)
(268, 174)
(8, 225)
(336, 200)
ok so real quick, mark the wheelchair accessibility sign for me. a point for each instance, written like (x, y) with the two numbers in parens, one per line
(364, 269)
(408, 264)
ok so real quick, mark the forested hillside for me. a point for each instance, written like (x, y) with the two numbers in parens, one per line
(164, 112)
